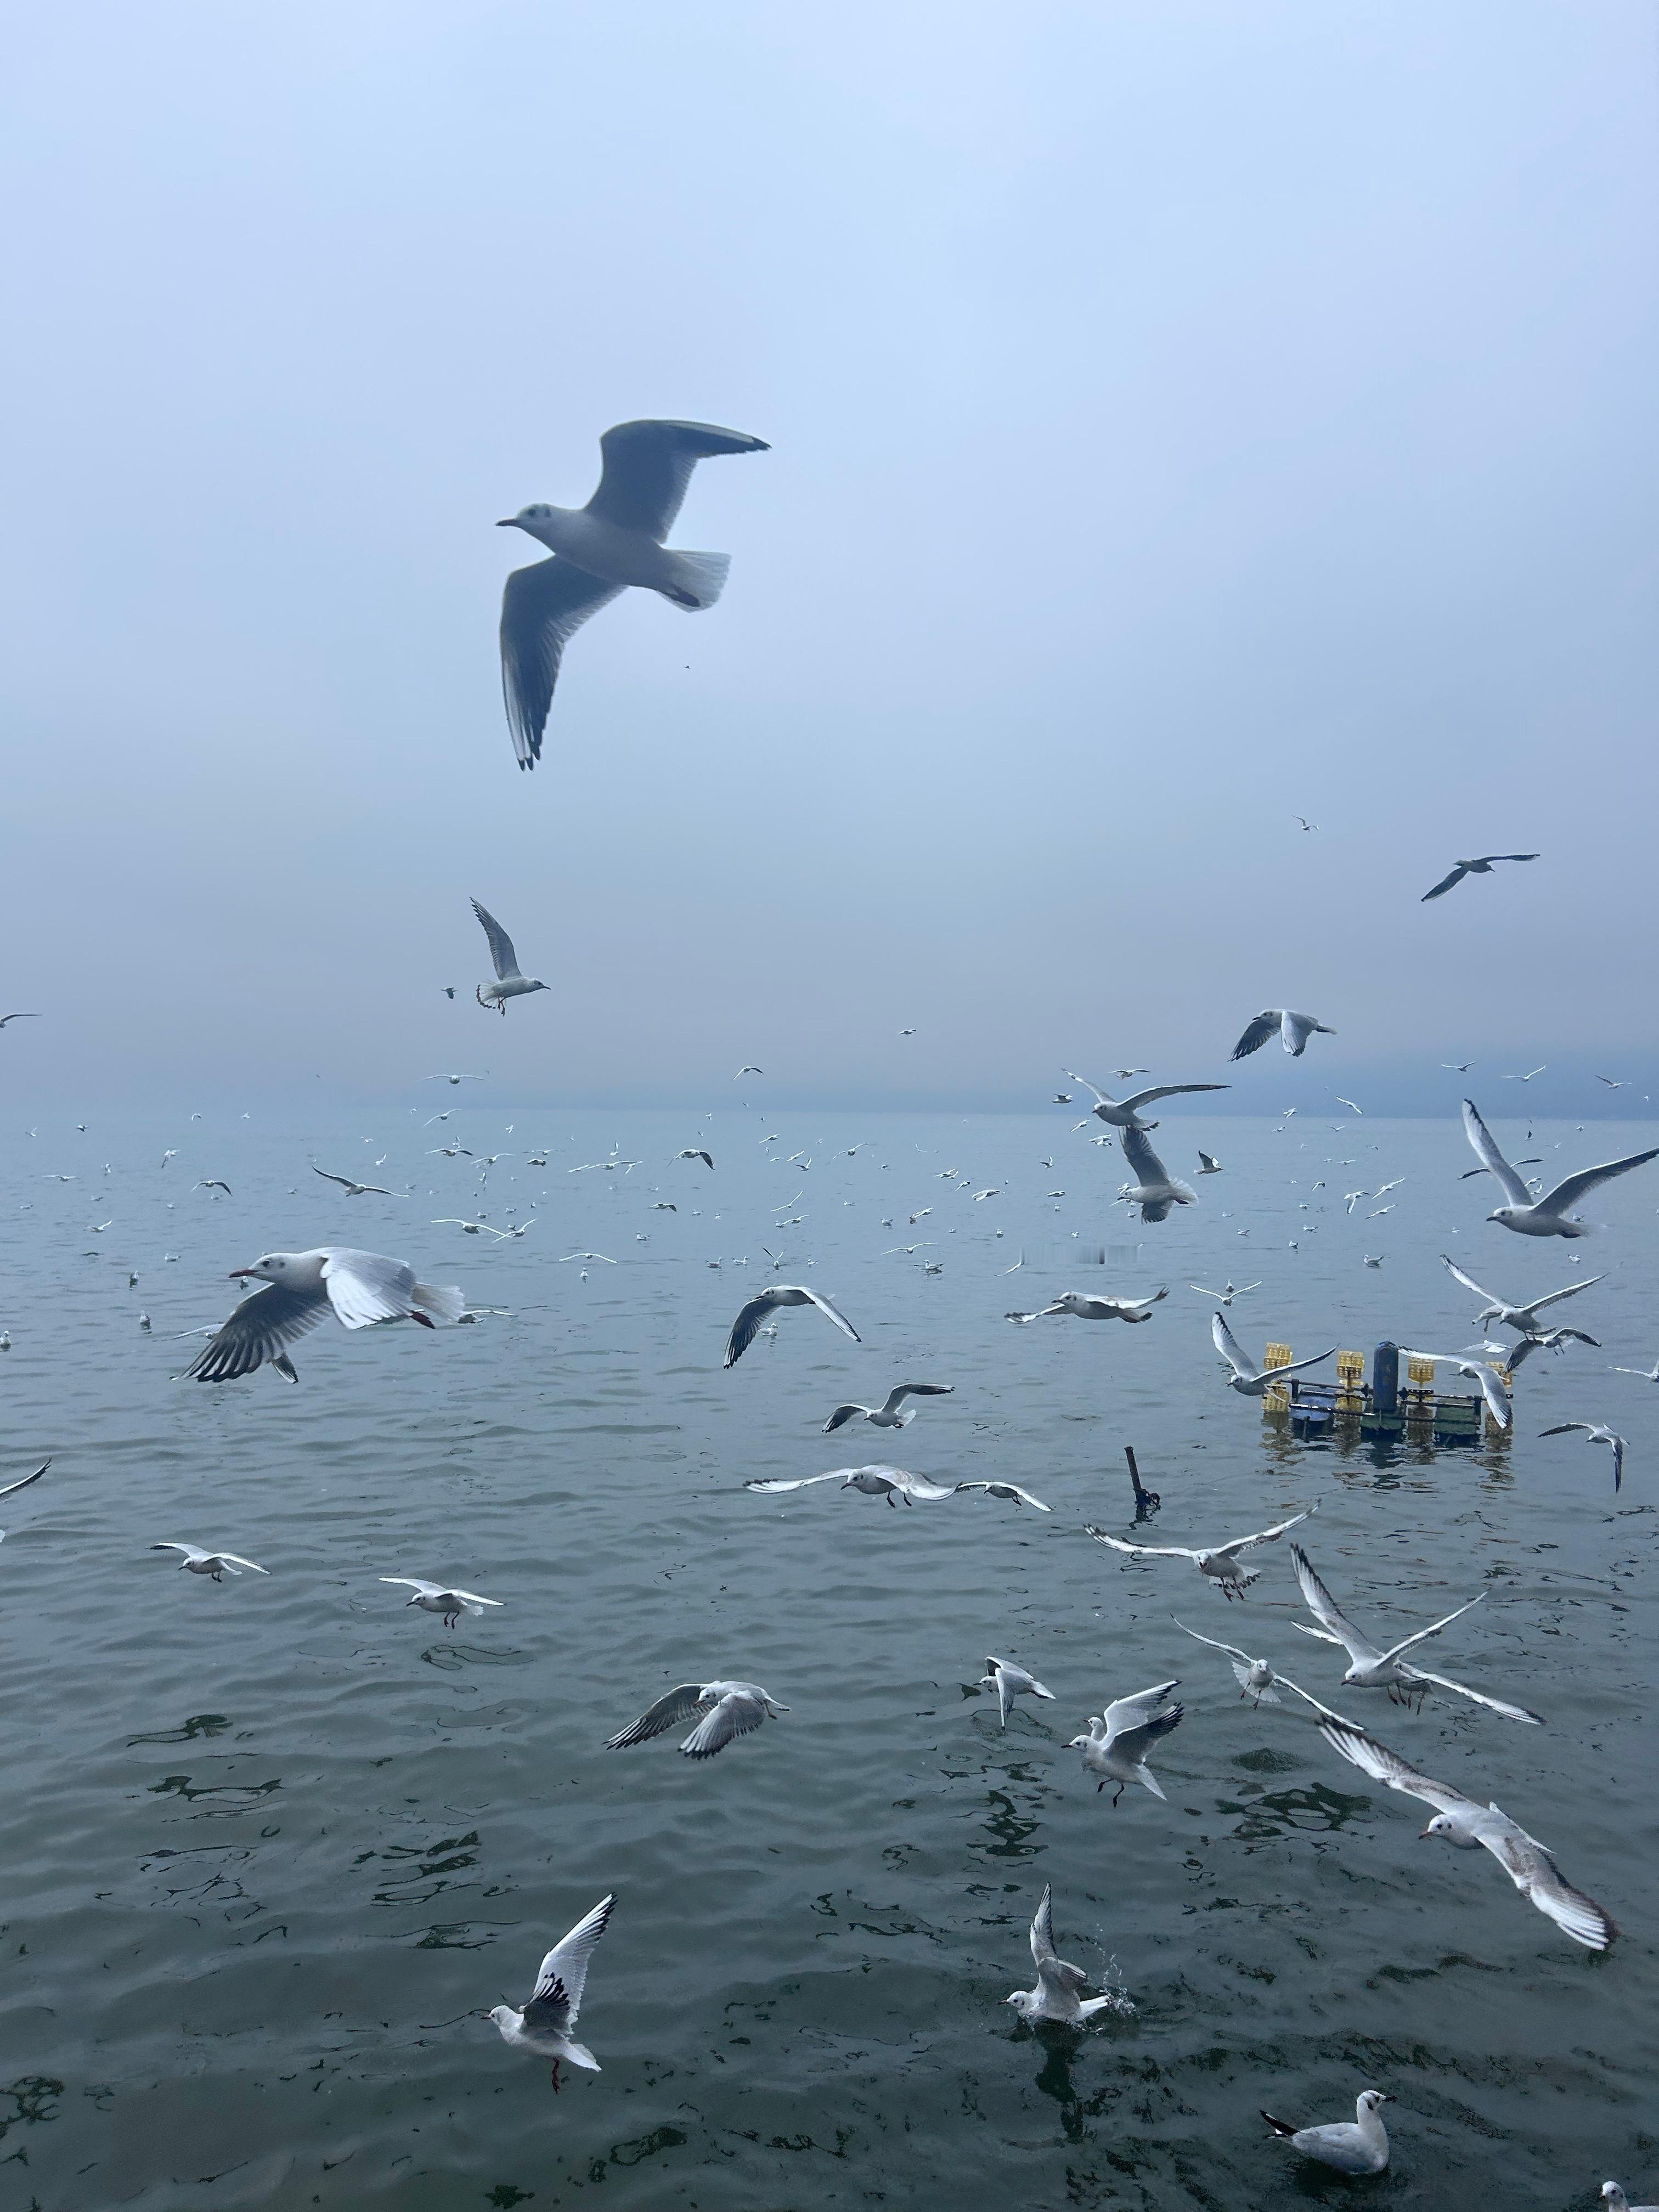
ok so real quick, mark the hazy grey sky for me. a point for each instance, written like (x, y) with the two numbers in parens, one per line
(1184, 416)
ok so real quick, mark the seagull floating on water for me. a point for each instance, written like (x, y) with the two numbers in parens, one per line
(1357, 2146)
(725, 1710)
(1059, 1995)
(1546, 1216)
(599, 550)
(544, 2025)
(362, 1288)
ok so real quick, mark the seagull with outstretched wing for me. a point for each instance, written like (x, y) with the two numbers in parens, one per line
(1546, 1216)
(1125, 1112)
(1293, 1030)
(1253, 1382)
(723, 1711)
(1461, 868)
(544, 2025)
(892, 1413)
(1599, 1433)
(747, 1325)
(891, 1483)
(1371, 1669)
(1220, 1564)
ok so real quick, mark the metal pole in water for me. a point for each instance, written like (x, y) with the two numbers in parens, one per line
(1385, 1378)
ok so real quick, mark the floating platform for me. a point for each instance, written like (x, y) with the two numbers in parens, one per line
(1413, 1412)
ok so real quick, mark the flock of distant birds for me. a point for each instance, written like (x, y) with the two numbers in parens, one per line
(614, 542)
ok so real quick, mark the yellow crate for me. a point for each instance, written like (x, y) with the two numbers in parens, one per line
(1420, 1371)
(1350, 1382)
(1276, 1399)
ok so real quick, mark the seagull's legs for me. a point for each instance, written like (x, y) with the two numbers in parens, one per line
(555, 2077)
(1118, 1799)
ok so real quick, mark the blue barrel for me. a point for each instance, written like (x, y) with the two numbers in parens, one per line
(1385, 1378)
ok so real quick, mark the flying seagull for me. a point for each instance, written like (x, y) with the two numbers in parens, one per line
(1208, 1163)
(1010, 1682)
(4, 1018)
(544, 2025)
(1357, 2146)
(691, 1152)
(352, 1189)
(1009, 1493)
(1598, 1433)
(891, 1483)
(724, 1712)
(438, 1597)
(508, 983)
(1059, 1995)
(1251, 1382)
(1475, 1370)
(1154, 1190)
(1461, 1821)
(300, 1287)
(1114, 1749)
(744, 1328)
(1221, 1563)
(889, 1415)
(1546, 1216)
(1294, 1031)
(1232, 1291)
(1646, 1374)
(599, 550)
(1461, 868)
(1125, 1112)
(1082, 1307)
(216, 1565)
(1255, 1678)
(1371, 1669)
(1524, 1318)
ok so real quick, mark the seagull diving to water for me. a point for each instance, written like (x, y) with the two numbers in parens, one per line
(1220, 1564)
(1125, 1112)
(544, 2025)
(300, 1287)
(1082, 1307)
(508, 983)
(1114, 1749)
(1546, 1216)
(724, 1712)
(1371, 1669)
(746, 1327)
(889, 1415)
(1461, 868)
(1467, 1825)
(1598, 1433)
(1155, 1190)
(599, 550)
(1294, 1031)
(1250, 1382)
(1059, 1995)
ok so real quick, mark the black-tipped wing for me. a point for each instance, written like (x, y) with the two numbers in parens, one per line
(671, 1709)
(1264, 1026)
(261, 1327)
(745, 1327)
(1572, 1188)
(648, 468)
(1537, 1876)
(1486, 1146)
(501, 945)
(563, 1975)
(734, 1714)
(542, 607)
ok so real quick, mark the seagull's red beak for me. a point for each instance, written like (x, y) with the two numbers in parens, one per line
(236, 1274)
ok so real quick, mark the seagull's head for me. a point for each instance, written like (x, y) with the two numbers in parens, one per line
(533, 518)
(1370, 2100)
(1440, 1826)
(272, 1267)
(504, 2016)
(1021, 2000)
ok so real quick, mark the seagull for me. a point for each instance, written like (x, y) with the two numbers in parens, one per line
(749, 1068)
(1306, 825)
(1524, 1318)
(1341, 1101)
(436, 1597)
(605, 1257)
(1617, 2202)
(218, 1565)
(692, 1153)
(725, 1710)
(1255, 1676)
(1467, 1825)
(1233, 1290)
(891, 1483)
(1510, 1356)
(508, 983)
(1124, 1113)
(1371, 1669)
(1116, 1748)
(600, 550)
(1647, 1374)
(211, 1184)
(1058, 1995)
(1294, 1031)
(1475, 1370)
(300, 1287)
(1461, 868)
(1009, 1493)
(1526, 1077)
(1357, 2146)
(4, 1018)
(444, 1077)
(1155, 1191)
(544, 2025)
(1010, 1682)
(766, 1302)
(1598, 1433)
(1082, 1307)
(472, 1228)
(1250, 1382)
(1615, 1082)
(1220, 1563)
(1546, 1216)
(1208, 1163)
(24, 1482)
(889, 1415)
(355, 1189)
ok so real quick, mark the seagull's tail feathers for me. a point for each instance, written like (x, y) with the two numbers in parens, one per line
(698, 580)
(578, 2054)
(1278, 2127)
(448, 1304)
(1146, 1776)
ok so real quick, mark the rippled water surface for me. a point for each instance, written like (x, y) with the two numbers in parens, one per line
(272, 1848)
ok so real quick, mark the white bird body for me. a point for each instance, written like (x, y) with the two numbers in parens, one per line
(724, 1712)
(1524, 1317)
(1220, 1564)
(1083, 1307)
(360, 1288)
(1114, 1749)
(1155, 1189)
(1546, 1216)
(544, 2025)
(439, 1598)
(1370, 1668)
(1010, 1682)
(1357, 2146)
(1255, 1678)
(1059, 1995)
(1293, 1030)
(1472, 1826)
(214, 1565)
(508, 983)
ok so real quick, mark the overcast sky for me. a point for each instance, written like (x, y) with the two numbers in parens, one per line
(1184, 416)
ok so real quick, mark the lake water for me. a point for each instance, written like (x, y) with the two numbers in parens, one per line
(272, 1848)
